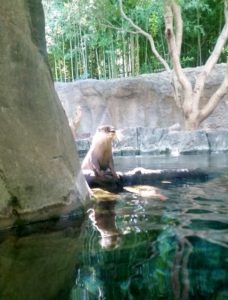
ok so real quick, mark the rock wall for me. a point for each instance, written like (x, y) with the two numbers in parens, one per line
(144, 101)
(171, 141)
(39, 169)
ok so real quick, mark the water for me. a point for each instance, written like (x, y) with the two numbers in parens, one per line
(129, 246)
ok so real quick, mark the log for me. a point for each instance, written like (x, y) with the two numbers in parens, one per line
(142, 176)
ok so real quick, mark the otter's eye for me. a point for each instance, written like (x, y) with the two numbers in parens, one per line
(111, 129)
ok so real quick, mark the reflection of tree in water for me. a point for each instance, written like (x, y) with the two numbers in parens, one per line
(199, 264)
(180, 276)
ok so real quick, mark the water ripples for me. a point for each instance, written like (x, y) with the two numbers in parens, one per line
(143, 248)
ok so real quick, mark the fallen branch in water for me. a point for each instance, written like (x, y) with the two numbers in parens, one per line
(141, 176)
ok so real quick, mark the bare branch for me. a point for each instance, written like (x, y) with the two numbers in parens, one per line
(120, 29)
(215, 98)
(212, 60)
(179, 25)
(146, 34)
(185, 83)
(225, 10)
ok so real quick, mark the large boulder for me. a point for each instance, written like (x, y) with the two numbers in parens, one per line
(39, 170)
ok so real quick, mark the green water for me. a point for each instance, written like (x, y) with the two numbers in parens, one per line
(132, 247)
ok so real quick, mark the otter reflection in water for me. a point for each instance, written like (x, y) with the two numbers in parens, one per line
(103, 218)
(99, 158)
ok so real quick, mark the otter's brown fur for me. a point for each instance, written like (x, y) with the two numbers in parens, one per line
(99, 157)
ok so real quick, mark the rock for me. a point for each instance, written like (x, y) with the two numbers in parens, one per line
(143, 101)
(146, 140)
(175, 127)
(128, 144)
(149, 139)
(39, 169)
(104, 195)
(184, 142)
(83, 146)
(30, 255)
(146, 191)
(218, 140)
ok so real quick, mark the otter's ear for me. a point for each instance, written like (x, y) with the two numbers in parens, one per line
(103, 128)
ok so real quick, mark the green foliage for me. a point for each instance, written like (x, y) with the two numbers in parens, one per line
(203, 21)
(91, 39)
(186, 61)
(153, 22)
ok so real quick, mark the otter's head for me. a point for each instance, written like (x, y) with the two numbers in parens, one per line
(107, 129)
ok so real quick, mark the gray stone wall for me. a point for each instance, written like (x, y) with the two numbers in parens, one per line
(144, 101)
(147, 140)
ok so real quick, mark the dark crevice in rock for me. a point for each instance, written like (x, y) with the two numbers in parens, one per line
(37, 28)
(37, 25)
(14, 202)
(208, 140)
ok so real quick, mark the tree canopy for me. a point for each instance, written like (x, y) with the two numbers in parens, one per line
(90, 39)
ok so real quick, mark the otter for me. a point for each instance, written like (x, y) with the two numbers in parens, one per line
(99, 157)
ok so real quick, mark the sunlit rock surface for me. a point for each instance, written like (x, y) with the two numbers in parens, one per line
(39, 168)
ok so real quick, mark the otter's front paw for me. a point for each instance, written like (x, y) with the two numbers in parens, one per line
(100, 173)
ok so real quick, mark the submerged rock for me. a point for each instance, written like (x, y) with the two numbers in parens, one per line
(146, 191)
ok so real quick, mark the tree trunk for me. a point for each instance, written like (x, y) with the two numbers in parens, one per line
(104, 64)
(192, 121)
(199, 54)
(71, 60)
(132, 50)
(137, 67)
(60, 70)
(98, 64)
(76, 47)
(56, 70)
(193, 114)
(64, 60)
(123, 55)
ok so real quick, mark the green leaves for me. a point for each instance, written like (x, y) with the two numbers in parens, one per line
(93, 34)
(154, 23)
